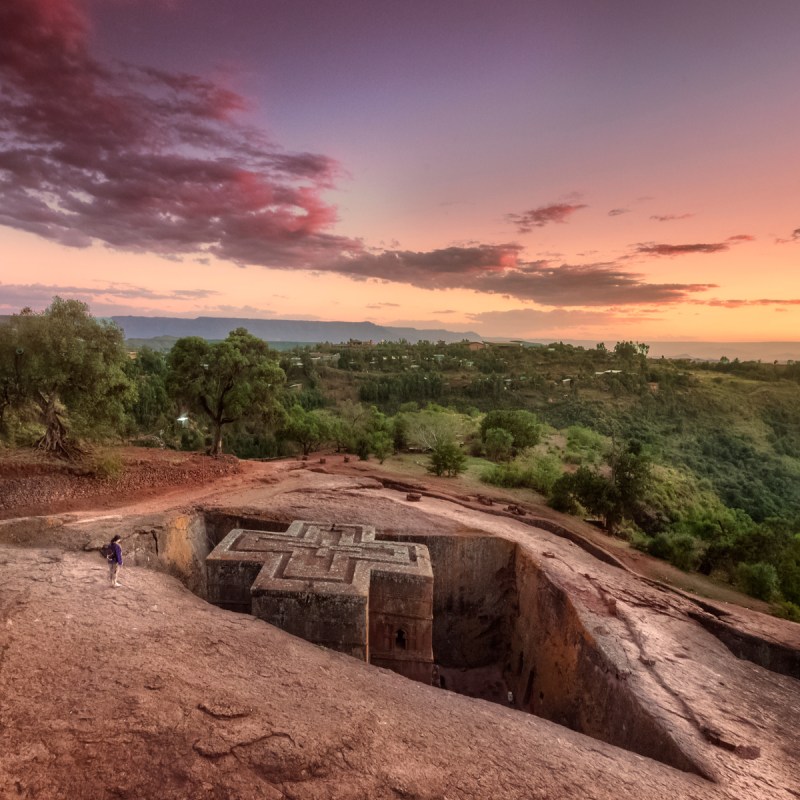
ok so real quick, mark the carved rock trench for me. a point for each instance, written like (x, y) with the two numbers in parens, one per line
(500, 624)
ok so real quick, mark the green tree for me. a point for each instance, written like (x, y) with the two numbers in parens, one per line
(309, 429)
(435, 425)
(381, 444)
(226, 381)
(153, 406)
(497, 443)
(523, 426)
(353, 422)
(596, 494)
(612, 499)
(69, 367)
(400, 431)
(631, 478)
(10, 357)
(758, 580)
(447, 458)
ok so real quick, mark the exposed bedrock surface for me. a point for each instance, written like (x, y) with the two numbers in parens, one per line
(494, 605)
(578, 641)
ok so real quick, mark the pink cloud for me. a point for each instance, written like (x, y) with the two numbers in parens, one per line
(654, 249)
(544, 215)
(143, 159)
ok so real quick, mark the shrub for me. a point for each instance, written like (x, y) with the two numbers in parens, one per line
(447, 459)
(562, 497)
(362, 447)
(381, 445)
(524, 427)
(192, 440)
(584, 445)
(544, 471)
(640, 541)
(509, 476)
(497, 443)
(758, 580)
(682, 550)
(107, 465)
(787, 610)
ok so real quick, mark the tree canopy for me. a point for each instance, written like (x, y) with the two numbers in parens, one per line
(225, 381)
(523, 426)
(66, 366)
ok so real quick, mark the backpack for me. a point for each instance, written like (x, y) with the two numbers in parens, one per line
(107, 551)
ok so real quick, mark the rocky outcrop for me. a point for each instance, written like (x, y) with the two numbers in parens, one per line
(194, 701)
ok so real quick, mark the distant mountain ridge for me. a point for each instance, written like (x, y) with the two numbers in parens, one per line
(312, 331)
(281, 330)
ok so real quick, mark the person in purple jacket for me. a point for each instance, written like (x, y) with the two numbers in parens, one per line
(114, 561)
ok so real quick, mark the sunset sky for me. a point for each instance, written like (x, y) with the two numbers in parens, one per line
(521, 168)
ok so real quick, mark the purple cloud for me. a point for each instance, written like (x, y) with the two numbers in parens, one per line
(653, 249)
(498, 269)
(38, 295)
(680, 249)
(544, 215)
(143, 159)
(154, 161)
(584, 285)
(615, 212)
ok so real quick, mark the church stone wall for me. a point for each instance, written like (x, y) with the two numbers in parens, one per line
(333, 585)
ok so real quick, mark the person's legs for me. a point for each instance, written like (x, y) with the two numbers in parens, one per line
(113, 573)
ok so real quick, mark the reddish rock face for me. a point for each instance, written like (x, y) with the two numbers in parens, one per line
(199, 702)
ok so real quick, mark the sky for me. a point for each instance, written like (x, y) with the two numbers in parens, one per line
(546, 169)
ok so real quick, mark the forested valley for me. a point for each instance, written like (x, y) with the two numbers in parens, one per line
(697, 463)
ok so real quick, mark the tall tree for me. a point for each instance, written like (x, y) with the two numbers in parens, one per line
(10, 357)
(226, 381)
(70, 368)
(434, 425)
(523, 426)
(309, 429)
(153, 405)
